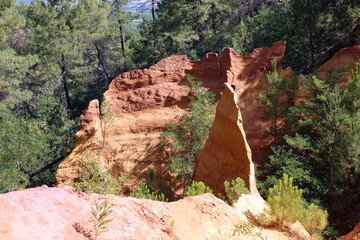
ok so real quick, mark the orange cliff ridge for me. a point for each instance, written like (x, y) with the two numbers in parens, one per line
(145, 101)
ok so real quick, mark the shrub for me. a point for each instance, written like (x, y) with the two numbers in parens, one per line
(197, 188)
(99, 217)
(143, 191)
(285, 200)
(94, 180)
(314, 219)
(288, 205)
(234, 189)
(107, 116)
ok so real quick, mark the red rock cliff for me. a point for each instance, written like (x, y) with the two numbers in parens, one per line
(145, 101)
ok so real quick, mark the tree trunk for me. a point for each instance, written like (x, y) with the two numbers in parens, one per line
(102, 64)
(213, 18)
(153, 9)
(122, 38)
(63, 79)
(46, 167)
(311, 48)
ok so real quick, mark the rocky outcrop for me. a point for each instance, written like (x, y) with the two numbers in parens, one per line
(90, 125)
(353, 235)
(248, 75)
(57, 213)
(226, 154)
(145, 101)
(345, 57)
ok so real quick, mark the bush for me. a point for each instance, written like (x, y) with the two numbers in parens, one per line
(99, 217)
(197, 188)
(285, 200)
(143, 191)
(314, 219)
(288, 205)
(234, 189)
(94, 180)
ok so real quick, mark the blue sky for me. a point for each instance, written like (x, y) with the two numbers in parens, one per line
(24, 1)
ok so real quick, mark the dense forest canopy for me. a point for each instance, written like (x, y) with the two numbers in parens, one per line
(56, 56)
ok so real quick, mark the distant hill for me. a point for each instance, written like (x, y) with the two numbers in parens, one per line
(136, 6)
(139, 6)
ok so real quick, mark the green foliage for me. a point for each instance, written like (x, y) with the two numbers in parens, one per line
(352, 96)
(288, 205)
(321, 148)
(273, 98)
(314, 219)
(314, 29)
(107, 117)
(234, 190)
(268, 25)
(331, 230)
(189, 136)
(184, 27)
(241, 39)
(197, 188)
(55, 58)
(247, 229)
(283, 160)
(142, 191)
(100, 216)
(244, 228)
(107, 113)
(285, 200)
(94, 180)
(25, 147)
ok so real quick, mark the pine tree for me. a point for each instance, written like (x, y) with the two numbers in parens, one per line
(273, 97)
(285, 200)
(189, 137)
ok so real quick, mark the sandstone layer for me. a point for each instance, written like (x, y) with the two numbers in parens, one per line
(58, 213)
(226, 150)
(145, 101)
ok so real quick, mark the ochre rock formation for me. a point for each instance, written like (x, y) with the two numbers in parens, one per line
(346, 56)
(90, 125)
(58, 213)
(226, 154)
(248, 75)
(353, 235)
(145, 101)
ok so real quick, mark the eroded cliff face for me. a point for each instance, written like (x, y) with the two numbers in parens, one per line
(226, 150)
(145, 101)
(248, 75)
